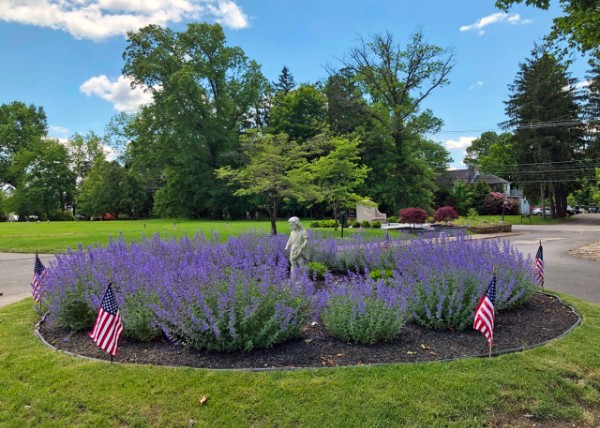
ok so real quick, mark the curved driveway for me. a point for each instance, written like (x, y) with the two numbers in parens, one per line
(564, 273)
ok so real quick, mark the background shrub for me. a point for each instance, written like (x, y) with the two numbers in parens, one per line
(495, 201)
(445, 214)
(413, 215)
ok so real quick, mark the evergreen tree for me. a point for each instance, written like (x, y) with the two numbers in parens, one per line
(592, 110)
(286, 82)
(543, 107)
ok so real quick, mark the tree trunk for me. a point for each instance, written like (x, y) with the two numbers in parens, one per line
(273, 215)
(335, 215)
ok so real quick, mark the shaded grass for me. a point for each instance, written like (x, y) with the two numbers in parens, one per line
(552, 385)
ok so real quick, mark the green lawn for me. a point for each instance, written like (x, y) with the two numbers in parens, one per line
(557, 385)
(57, 236)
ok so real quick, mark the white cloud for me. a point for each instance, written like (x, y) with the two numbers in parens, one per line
(58, 130)
(458, 149)
(461, 143)
(120, 93)
(110, 153)
(578, 85)
(101, 19)
(495, 18)
(476, 85)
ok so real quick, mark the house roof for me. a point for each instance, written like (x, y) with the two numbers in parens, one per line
(469, 176)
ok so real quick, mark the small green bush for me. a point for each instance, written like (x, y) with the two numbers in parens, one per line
(139, 318)
(376, 224)
(323, 223)
(392, 219)
(386, 274)
(317, 270)
(370, 323)
(75, 313)
(355, 224)
(365, 223)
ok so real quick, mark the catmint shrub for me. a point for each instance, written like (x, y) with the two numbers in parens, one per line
(361, 310)
(448, 277)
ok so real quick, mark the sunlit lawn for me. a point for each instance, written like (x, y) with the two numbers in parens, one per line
(555, 385)
(55, 237)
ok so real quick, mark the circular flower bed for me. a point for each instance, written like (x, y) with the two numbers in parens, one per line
(237, 295)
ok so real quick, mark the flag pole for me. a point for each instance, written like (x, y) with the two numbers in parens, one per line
(542, 277)
(490, 341)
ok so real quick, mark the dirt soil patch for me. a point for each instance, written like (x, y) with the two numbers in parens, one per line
(590, 251)
(543, 318)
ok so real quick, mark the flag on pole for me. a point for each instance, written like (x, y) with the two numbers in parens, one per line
(39, 274)
(484, 314)
(538, 266)
(108, 327)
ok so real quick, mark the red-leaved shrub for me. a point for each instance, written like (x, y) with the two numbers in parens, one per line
(444, 214)
(413, 215)
(495, 201)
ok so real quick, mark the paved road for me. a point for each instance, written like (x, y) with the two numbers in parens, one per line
(16, 272)
(564, 273)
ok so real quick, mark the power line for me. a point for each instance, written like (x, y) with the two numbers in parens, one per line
(533, 125)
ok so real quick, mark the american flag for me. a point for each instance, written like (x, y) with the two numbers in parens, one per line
(39, 274)
(538, 266)
(108, 327)
(484, 314)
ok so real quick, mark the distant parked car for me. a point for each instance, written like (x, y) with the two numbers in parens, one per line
(539, 211)
(593, 209)
(572, 211)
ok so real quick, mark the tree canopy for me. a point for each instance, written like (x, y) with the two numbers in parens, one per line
(579, 24)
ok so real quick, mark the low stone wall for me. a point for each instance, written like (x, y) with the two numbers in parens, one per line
(496, 228)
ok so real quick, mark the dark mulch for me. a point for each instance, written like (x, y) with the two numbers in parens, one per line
(543, 318)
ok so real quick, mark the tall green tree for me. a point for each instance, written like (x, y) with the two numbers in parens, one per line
(84, 150)
(21, 126)
(493, 154)
(45, 185)
(592, 110)
(339, 173)
(204, 94)
(110, 188)
(346, 106)
(543, 108)
(275, 168)
(396, 81)
(301, 113)
(285, 83)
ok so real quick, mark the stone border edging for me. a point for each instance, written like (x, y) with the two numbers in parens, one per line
(37, 334)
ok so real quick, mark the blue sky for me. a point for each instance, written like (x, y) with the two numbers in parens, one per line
(66, 55)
